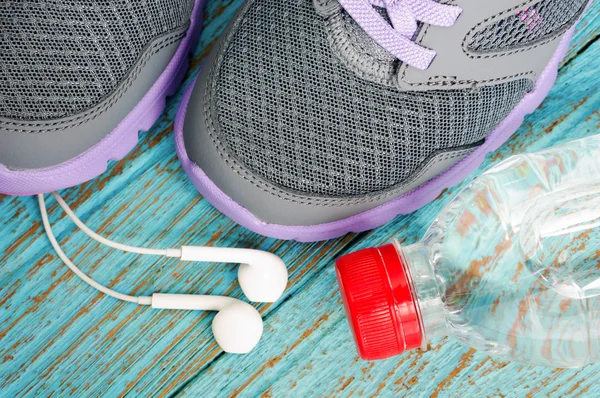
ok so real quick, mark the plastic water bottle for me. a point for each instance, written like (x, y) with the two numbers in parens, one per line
(510, 267)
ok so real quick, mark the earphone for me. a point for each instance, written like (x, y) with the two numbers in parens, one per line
(237, 326)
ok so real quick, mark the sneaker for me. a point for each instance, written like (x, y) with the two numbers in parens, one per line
(316, 118)
(80, 79)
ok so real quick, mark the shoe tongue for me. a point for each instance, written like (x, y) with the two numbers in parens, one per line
(353, 46)
(362, 39)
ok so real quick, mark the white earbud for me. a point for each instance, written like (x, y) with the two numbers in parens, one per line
(238, 326)
(262, 275)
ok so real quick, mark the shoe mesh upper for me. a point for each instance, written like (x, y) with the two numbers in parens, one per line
(293, 114)
(58, 58)
(544, 20)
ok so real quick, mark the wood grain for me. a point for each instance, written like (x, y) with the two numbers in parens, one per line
(59, 337)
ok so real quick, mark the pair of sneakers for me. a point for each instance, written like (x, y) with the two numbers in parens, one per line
(309, 119)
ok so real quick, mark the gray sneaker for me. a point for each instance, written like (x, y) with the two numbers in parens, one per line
(79, 79)
(311, 119)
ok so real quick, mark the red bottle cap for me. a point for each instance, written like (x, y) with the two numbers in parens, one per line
(379, 302)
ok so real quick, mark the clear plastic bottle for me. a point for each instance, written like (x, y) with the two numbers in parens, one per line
(510, 267)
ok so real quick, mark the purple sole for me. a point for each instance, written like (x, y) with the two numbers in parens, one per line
(382, 214)
(118, 143)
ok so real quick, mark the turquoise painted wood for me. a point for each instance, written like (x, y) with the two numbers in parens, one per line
(59, 337)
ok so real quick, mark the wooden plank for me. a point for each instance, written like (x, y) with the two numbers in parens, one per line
(59, 336)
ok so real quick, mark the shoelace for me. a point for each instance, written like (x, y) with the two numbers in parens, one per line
(397, 38)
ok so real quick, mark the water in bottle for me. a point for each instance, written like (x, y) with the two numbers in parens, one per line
(510, 267)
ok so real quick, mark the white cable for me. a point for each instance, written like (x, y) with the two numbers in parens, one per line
(142, 300)
(108, 242)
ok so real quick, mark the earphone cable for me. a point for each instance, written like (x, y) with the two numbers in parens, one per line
(142, 300)
(108, 242)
